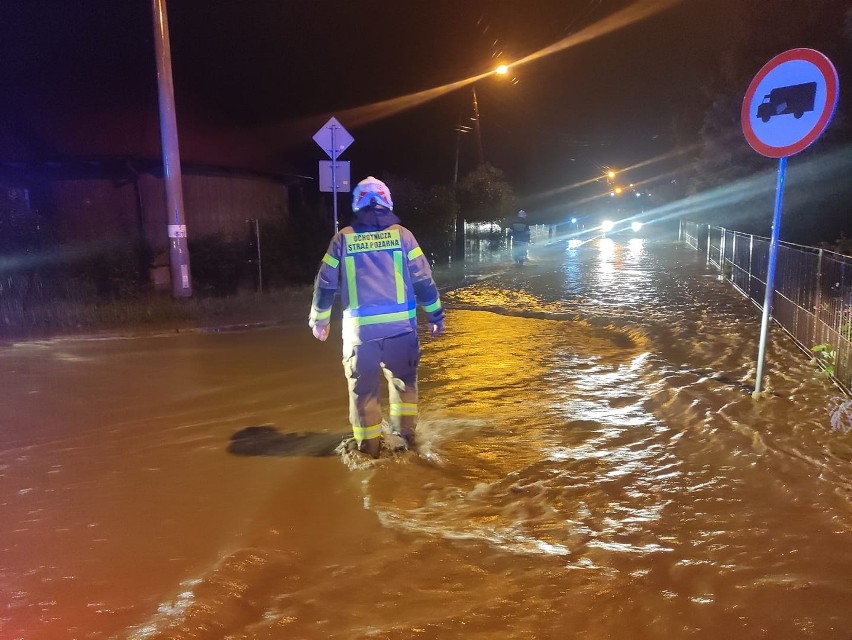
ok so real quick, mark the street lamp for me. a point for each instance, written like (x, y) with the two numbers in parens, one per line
(501, 70)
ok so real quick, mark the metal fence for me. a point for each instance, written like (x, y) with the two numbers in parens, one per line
(812, 300)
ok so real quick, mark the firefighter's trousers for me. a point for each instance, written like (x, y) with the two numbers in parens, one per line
(397, 359)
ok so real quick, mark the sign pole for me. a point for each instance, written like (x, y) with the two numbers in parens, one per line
(334, 139)
(770, 273)
(334, 177)
(787, 106)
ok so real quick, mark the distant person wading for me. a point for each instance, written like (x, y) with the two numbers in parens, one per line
(383, 275)
(520, 232)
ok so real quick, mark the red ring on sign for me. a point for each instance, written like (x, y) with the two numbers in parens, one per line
(829, 73)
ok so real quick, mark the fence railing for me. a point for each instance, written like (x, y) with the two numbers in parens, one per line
(812, 298)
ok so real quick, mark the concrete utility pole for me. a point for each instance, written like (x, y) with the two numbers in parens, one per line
(178, 250)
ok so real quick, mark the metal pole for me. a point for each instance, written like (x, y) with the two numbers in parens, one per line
(334, 176)
(478, 129)
(259, 267)
(750, 255)
(708, 244)
(178, 250)
(734, 263)
(818, 300)
(770, 273)
(458, 144)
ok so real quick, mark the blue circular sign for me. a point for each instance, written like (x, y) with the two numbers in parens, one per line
(789, 103)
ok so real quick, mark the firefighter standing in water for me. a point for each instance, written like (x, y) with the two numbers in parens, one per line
(520, 232)
(384, 275)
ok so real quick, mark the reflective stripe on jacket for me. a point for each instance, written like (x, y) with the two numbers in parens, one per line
(383, 276)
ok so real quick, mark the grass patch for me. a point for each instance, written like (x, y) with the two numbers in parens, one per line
(150, 312)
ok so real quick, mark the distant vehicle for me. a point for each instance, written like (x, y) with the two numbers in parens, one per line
(603, 227)
(795, 99)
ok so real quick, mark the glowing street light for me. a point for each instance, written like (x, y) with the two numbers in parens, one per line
(502, 70)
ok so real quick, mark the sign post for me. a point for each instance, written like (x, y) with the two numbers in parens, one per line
(334, 140)
(787, 106)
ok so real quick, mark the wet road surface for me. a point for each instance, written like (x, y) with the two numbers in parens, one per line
(590, 464)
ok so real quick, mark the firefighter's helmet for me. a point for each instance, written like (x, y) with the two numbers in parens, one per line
(371, 193)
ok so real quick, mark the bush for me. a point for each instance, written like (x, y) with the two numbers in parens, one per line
(291, 250)
(108, 274)
(216, 264)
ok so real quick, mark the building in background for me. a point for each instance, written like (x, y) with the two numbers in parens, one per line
(82, 205)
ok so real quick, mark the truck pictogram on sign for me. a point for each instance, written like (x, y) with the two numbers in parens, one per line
(796, 99)
(801, 83)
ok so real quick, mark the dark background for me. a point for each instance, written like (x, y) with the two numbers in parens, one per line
(255, 79)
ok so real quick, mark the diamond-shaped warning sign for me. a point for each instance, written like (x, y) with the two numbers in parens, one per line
(333, 138)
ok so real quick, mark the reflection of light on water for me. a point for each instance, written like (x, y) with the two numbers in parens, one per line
(639, 361)
(552, 549)
(635, 246)
(575, 244)
(606, 269)
(622, 547)
(607, 248)
(486, 296)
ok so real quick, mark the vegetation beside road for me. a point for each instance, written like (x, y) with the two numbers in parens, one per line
(52, 287)
(155, 312)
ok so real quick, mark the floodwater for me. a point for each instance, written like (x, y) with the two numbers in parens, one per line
(591, 465)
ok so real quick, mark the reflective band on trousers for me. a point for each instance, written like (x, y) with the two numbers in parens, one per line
(403, 409)
(366, 433)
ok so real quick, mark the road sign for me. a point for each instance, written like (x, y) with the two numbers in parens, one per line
(789, 103)
(328, 175)
(333, 138)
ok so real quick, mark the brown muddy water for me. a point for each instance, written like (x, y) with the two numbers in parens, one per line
(591, 465)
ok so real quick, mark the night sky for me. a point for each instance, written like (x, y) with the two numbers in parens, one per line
(254, 79)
